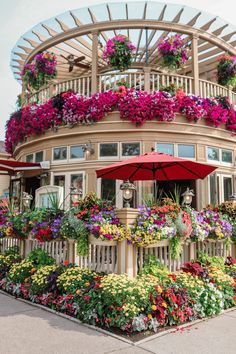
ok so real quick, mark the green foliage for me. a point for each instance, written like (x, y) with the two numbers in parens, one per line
(12, 251)
(40, 258)
(214, 261)
(175, 247)
(152, 266)
(74, 228)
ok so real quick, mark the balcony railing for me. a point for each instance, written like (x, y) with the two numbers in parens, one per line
(136, 79)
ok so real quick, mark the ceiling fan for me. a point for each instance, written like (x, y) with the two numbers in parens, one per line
(72, 61)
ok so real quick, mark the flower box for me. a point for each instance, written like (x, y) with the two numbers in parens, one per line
(94, 241)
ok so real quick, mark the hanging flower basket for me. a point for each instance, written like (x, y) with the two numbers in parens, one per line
(118, 52)
(40, 71)
(226, 70)
(173, 51)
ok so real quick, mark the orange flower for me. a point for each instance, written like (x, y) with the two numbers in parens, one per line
(78, 292)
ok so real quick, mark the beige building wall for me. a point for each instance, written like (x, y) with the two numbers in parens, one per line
(112, 129)
(4, 179)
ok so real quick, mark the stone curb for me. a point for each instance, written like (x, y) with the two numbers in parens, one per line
(148, 339)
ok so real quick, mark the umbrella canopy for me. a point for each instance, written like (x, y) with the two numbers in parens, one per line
(155, 166)
(12, 166)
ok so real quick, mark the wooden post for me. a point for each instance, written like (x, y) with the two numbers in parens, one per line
(51, 90)
(195, 67)
(94, 78)
(27, 247)
(147, 71)
(192, 247)
(71, 250)
(127, 253)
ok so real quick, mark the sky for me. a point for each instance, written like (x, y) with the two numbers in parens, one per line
(18, 16)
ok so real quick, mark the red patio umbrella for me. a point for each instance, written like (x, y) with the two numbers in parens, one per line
(12, 166)
(155, 166)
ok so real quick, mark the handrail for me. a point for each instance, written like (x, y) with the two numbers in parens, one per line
(135, 79)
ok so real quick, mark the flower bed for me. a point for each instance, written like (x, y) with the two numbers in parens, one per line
(153, 300)
(69, 108)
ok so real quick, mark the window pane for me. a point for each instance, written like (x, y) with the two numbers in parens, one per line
(59, 181)
(77, 181)
(186, 150)
(60, 153)
(166, 148)
(30, 158)
(39, 156)
(227, 181)
(76, 152)
(213, 184)
(108, 190)
(213, 154)
(108, 150)
(130, 149)
(227, 156)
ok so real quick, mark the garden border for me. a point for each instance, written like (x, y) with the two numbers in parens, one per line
(111, 334)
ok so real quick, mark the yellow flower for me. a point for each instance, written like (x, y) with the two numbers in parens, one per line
(149, 316)
(154, 307)
(164, 304)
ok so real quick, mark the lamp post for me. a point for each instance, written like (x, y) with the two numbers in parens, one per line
(187, 197)
(26, 200)
(127, 190)
(75, 195)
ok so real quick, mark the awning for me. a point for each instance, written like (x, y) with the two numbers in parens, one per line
(12, 166)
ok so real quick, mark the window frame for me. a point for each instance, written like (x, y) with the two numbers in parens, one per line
(184, 157)
(109, 157)
(76, 158)
(129, 142)
(59, 161)
(34, 156)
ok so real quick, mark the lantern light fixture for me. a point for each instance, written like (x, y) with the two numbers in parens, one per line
(88, 149)
(26, 200)
(128, 189)
(232, 199)
(187, 197)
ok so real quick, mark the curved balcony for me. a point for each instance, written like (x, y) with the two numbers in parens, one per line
(147, 80)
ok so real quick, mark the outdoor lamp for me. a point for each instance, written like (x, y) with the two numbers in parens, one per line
(127, 189)
(187, 197)
(232, 199)
(26, 200)
(88, 149)
(76, 195)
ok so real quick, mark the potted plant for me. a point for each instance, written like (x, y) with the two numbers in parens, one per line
(173, 51)
(118, 52)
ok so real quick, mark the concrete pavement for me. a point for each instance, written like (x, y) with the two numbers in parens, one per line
(25, 329)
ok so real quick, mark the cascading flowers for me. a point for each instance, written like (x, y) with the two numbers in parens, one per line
(118, 52)
(173, 51)
(40, 71)
(226, 70)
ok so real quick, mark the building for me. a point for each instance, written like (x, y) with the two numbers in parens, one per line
(84, 33)
(4, 178)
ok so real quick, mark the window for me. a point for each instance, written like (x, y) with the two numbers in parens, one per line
(130, 149)
(76, 181)
(76, 152)
(108, 190)
(30, 158)
(60, 153)
(186, 151)
(227, 156)
(213, 189)
(108, 149)
(39, 156)
(213, 154)
(59, 181)
(227, 187)
(165, 148)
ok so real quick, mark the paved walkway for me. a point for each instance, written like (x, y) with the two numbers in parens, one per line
(25, 329)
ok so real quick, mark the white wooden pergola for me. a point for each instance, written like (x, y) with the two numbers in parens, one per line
(84, 32)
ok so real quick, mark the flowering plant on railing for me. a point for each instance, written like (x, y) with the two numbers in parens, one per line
(40, 71)
(173, 51)
(226, 70)
(137, 107)
(200, 228)
(219, 228)
(192, 107)
(118, 52)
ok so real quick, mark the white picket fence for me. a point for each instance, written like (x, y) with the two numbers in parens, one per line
(102, 256)
(109, 257)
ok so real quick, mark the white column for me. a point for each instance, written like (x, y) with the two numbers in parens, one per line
(195, 67)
